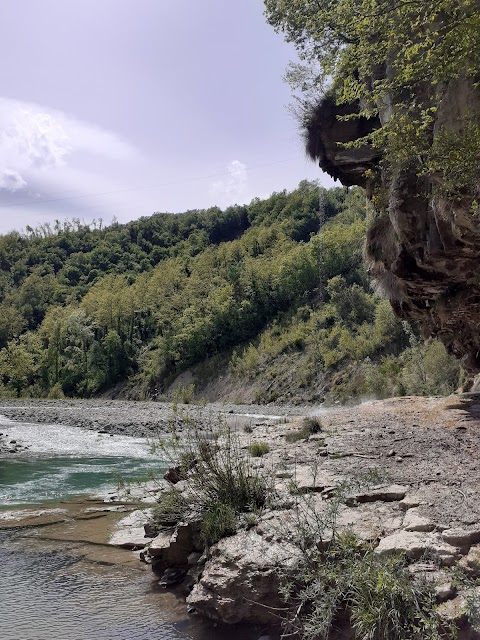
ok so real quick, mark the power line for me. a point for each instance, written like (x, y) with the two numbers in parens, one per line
(157, 186)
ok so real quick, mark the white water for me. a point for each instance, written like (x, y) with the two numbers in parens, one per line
(62, 461)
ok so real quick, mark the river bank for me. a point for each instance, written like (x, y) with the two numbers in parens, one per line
(414, 462)
(412, 471)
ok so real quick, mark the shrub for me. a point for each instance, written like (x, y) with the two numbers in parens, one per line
(223, 483)
(56, 392)
(170, 508)
(310, 426)
(339, 580)
(295, 436)
(218, 521)
(258, 449)
(183, 394)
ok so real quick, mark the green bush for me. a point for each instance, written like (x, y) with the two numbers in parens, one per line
(340, 582)
(223, 483)
(56, 392)
(258, 449)
(170, 508)
(310, 426)
(218, 521)
(380, 597)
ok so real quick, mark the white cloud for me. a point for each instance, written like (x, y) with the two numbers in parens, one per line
(35, 140)
(234, 187)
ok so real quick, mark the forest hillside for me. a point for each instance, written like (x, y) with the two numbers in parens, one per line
(264, 302)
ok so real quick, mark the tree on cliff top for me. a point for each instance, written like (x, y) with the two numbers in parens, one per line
(393, 57)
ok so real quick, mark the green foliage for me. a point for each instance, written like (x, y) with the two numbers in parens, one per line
(183, 394)
(170, 508)
(258, 449)
(218, 521)
(310, 425)
(223, 482)
(339, 582)
(429, 370)
(380, 54)
(283, 292)
(56, 392)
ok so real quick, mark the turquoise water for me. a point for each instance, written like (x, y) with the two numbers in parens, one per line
(33, 480)
(63, 461)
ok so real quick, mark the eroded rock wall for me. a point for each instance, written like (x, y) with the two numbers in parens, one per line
(423, 248)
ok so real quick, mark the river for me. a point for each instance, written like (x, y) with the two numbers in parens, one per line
(52, 589)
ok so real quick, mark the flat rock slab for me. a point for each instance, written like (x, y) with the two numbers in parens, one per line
(414, 521)
(129, 532)
(415, 545)
(462, 537)
(392, 493)
(309, 479)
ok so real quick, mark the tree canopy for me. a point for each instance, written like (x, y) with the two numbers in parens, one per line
(393, 57)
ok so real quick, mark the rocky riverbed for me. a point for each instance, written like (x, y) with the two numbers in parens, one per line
(129, 418)
(414, 462)
(422, 499)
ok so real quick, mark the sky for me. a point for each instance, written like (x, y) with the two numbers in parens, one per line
(122, 108)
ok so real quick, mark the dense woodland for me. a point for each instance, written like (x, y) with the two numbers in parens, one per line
(274, 292)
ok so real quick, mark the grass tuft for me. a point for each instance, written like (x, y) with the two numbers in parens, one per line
(258, 449)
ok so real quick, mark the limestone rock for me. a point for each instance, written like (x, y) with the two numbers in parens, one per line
(391, 493)
(421, 250)
(308, 479)
(129, 532)
(463, 538)
(409, 502)
(471, 562)
(173, 548)
(414, 545)
(370, 521)
(240, 581)
(445, 591)
(413, 521)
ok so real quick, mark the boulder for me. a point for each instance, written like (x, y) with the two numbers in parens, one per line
(240, 581)
(173, 547)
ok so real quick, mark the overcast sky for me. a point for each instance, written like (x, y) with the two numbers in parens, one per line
(127, 107)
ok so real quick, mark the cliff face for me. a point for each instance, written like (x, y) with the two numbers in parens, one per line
(423, 249)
